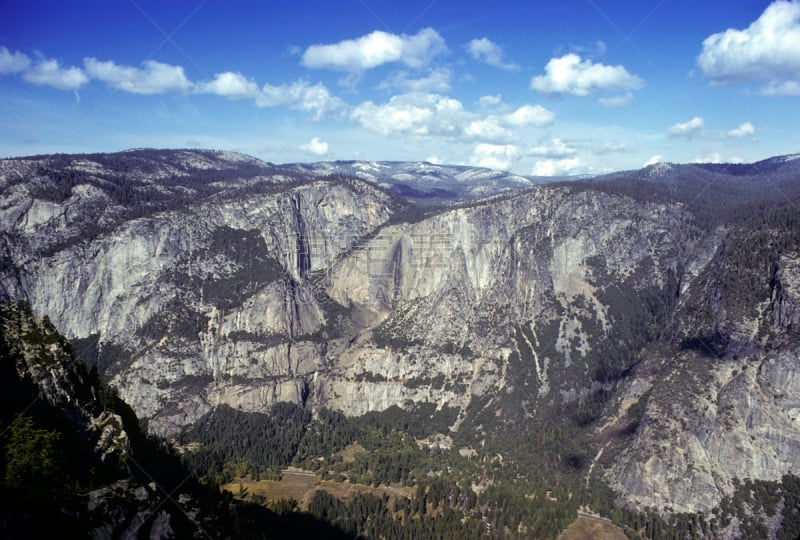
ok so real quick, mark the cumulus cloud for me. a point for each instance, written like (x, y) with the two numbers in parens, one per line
(687, 130)
(571, 75)
(301, 96)
(530, 115)
(416, 113)
(437, 80)
(616, 101)
(494, 156)
(434, 114)
(743, 130)
(768, 49)
(487, 129)
(491, 128)
(375, 49)
(152, 78)
(231, 85)
(486, 51)
(316, 147)
(555, 167)
(555, 148)
(50, 73)
(495, 127)
(13, 62)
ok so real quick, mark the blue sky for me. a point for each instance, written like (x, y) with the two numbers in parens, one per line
(543, 88)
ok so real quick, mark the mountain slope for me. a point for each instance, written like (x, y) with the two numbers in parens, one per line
(639, 328)
(73, 455)
(74, 460)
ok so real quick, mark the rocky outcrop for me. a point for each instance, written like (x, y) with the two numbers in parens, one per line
(726, 406)
(707, 423)
(786, 299)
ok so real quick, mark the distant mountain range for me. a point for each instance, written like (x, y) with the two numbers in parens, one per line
(428, 183)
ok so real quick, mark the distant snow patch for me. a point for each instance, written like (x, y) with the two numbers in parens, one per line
(369, 166)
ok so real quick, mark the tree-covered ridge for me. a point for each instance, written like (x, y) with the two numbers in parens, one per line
(708, 190)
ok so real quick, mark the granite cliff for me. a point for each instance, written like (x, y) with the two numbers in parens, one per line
(657, 310)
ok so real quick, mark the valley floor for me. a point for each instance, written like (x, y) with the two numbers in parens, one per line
(301, 485)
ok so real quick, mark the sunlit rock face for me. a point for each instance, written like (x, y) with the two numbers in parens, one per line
(196, 279)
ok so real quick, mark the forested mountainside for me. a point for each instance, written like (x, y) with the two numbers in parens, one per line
(627, 342)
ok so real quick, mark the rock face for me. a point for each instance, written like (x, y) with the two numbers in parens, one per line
(194, 279)
(713, 414)
(740, 421)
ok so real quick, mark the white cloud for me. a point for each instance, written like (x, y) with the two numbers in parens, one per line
(687, 130)
(50, 73)
(231, 85)
(299, 95)
(356, 54)
(571, 75)
(397, 115)
(156, 78)
(616, 101)
(431, 114)
(530, 115)
(417, 113)
(437, 80)
(372, 50)
(555, 167)
(490, 101)
(486, 51)
(556, 148)
(495, 127)
(653, 160)
(487, 129)
(743, 130)
(782, 88)
(769, 49)
(494, 156)
(13, 62)
(420, 49)
(316, 147)
(153, 78)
